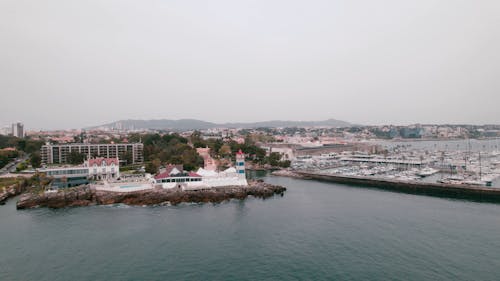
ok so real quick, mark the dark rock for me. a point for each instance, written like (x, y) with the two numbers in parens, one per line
(84, 196)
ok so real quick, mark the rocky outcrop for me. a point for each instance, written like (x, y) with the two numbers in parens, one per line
(9, 192)
(84, 196)
(287, 173)
(81, 196)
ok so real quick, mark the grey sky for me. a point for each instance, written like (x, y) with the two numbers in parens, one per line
(68, 64)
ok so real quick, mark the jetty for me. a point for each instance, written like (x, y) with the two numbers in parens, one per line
(459, 191)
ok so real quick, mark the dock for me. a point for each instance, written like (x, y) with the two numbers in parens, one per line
(458, 191)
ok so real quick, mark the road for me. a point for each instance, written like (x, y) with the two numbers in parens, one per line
(11, 167)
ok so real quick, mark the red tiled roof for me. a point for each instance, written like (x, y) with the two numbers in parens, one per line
(194, 175)
(162, 175)
(240, 152)
(167, 171)
(98, 161)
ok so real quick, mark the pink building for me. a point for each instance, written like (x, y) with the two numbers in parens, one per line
(209, 162)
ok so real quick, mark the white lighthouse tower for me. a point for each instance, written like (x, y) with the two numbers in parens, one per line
(240, 164)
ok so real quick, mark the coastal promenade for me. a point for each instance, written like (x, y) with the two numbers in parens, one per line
(459, 191)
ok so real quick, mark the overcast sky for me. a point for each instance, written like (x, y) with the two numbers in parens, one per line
(69, 64)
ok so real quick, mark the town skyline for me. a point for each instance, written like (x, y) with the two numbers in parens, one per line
(5, 126)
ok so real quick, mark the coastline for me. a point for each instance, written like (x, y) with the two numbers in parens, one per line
(12, 191)
(9, 192)
(86, 196)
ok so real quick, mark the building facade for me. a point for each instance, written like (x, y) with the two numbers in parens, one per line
(66, 176)
(174, 176)
(18, 130)
(58, 153)
(103, 168)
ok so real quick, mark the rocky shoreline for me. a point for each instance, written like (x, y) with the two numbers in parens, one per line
(86, 196)
(10, 192)
(287, 173)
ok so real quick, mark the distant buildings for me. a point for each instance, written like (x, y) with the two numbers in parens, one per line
(18, 130)
(15, 129)
(5, 130)
(58, 153)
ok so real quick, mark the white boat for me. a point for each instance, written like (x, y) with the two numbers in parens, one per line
(425, 172)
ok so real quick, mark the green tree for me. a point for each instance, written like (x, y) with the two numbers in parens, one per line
(225, 150)
(153, 166)
(127, 157)
(75, 158)
(21, 145)
(21, 167)
(35, 160)
(197, 140)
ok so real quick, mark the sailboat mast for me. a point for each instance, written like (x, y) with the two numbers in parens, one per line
(480, 167)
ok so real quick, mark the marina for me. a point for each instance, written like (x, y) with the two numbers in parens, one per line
(419, 164)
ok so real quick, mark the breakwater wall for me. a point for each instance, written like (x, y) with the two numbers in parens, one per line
(466, 192)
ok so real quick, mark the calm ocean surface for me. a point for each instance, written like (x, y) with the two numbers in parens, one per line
(316, 231)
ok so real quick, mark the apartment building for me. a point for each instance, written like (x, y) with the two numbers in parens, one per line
(58, 153)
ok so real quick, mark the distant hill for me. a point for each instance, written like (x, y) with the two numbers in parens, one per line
(193, 124)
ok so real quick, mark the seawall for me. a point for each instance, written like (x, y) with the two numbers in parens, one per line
(467, 192)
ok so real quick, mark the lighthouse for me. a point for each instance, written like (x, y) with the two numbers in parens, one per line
(240, 164)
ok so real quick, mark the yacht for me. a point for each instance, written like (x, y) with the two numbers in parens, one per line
(427, 172)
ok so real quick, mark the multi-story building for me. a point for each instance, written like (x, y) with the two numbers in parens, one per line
(58, 153)
(18, 130)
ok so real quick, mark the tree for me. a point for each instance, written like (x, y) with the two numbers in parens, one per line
(197, 140)
(153, 166)
(225, 150)
(21, 166)
(35, 160)
(274, 159)
(76, 158)
(127, 157)
(21, 145)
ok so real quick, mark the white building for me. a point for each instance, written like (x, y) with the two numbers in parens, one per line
(18, 130)
(103, 168)
(175, 177)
